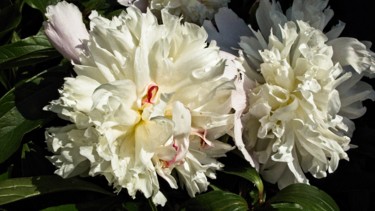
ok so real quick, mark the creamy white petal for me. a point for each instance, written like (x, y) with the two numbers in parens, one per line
(66, 142)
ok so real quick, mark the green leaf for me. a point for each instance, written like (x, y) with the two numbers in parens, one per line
(65, 207)
(13, 126)
(28, 51)
(5, 175)
(251, 175)
(98, 5)
(217, 200)
(306, 196)
(21, 109)
(15, 189)
(152, 205)
(286, 206)
(41, 5)
(132, 206)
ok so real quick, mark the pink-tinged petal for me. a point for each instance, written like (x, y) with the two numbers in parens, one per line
(230, 27)
(65, 29)
(239, 104)
(141, 4)
(182, 128)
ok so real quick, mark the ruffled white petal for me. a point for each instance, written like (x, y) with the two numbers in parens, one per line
(350, 51)
(352, 93)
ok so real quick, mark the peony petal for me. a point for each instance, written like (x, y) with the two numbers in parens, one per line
(141, 4)
(350, 51)
(66, 30)
(352, 93)
(239, 103)
(182, 128)
(335, 31)
(269, 16)
(315, 12)
(193, 11)
(230, 29)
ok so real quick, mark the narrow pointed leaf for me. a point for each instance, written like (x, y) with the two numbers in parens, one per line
(28, 51)
(217, 200)
(15, 189)
(306, 196)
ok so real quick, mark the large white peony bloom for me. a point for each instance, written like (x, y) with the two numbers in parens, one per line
(296, 119)
(148, 99)
(195, 11)
(292, 124)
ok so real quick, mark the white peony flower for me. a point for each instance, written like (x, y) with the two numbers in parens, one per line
(148, 99)
(292, 124)
(195, 11)
(297, 119)
(354, 56)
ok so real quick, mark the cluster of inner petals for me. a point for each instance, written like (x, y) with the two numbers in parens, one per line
(149, 99)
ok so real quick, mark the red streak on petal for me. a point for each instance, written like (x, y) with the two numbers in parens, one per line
(151, 93)
(175, 146)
